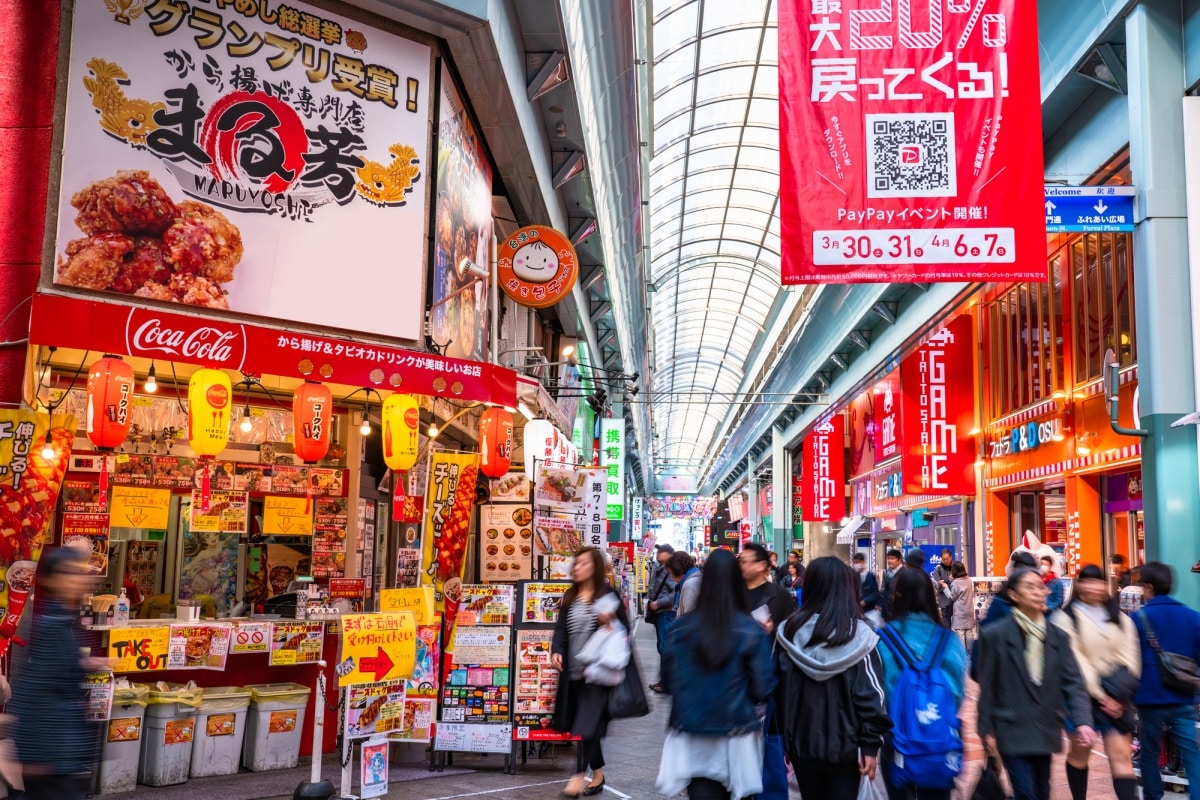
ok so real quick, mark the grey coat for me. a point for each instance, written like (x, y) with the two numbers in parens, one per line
(1027, 719)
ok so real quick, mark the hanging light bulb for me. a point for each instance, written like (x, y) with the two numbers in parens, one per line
(365, 428)
(48, 451)
(246, 426)
(151, 384)
(433, 431)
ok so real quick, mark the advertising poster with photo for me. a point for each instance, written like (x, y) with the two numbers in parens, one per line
(373, 777)
(541, 601)
(272, 567)
(450, 504)
(408, 568)
(512, 488)
(506, 544)
(227, 512)
(560, 489)
(490, 604)
(295, 643)
(421, 688)
(83, 497)
(534, 688)
(209, 564)
(199, 646)
(463, 230)
(374, 708)
(228, 160)
(91, 531)
(558, 540)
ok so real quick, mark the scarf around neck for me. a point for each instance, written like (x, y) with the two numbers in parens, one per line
(1035, 650)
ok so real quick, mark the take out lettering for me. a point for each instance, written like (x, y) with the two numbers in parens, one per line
(139, 650)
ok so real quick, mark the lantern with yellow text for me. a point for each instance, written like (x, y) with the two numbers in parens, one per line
(109, 408)
(401, 424)
(311, 407)
(495, 442)
(539, 444)
(210, 402)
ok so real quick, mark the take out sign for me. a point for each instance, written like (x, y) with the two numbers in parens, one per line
(139, 649)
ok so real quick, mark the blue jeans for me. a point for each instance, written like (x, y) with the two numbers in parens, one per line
(1182, 722)
(1029, 776)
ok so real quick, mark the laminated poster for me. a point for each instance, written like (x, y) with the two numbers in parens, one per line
(506, 543)
(295, 643)
(374, 777)
(199, 646)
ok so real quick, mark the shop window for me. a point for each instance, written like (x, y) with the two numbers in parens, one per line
(1101, 301)
(1025, 335)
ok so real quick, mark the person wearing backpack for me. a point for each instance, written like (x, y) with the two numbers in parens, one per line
(830, 695)
(924, 670)
(1166, 627)
(1105, 644)
(1028, 681)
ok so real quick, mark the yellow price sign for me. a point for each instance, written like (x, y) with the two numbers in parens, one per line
(419, 601)
(136, 507)
(287, 516)
(377, 647)
(139, 649)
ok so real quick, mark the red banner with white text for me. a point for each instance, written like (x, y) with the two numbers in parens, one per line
(887, 417)
(823, 472)
(938, 413)
(911, 141)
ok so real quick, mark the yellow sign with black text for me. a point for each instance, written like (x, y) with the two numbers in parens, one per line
(377, 647)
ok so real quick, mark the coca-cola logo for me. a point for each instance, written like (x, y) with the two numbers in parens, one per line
(185, 338)
(217, 396)
(412, 418)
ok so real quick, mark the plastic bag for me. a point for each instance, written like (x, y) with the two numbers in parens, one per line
(872, 788)
(605, 655)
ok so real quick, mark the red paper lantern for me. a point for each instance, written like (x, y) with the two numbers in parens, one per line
(109, 402)
(312, 407)
(495, 442)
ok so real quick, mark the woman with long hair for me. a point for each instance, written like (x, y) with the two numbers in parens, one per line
(581, 708)
(1105, 644)
(1028, 682)
(830, 695)
(962, 604)
(717, 665)
(915, 621)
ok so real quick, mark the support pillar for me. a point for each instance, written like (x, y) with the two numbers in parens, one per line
(781, 490)
(1166, 367)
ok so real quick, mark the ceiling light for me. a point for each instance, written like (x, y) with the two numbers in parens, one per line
(246, 425)
(48, 451)
(151, 384)
(433, 431)
(365, 428)
(560, 130)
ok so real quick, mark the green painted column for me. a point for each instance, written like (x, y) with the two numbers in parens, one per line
(1171, 493)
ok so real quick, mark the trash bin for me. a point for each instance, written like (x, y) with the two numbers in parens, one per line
(123, 740)
(169, 727)
(274, 726)
(220, 729)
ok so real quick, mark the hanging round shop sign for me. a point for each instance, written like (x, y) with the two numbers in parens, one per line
(109, 402)
(495, 442)
(401, 420)
(537, 266)
(311, 407)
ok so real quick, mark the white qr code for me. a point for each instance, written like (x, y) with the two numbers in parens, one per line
(910, 155)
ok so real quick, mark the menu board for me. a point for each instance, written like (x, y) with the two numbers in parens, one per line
(506, 543)
(512, 488)
(408, 568)
(476, 684)
(182, 472)
(484, 604)
(289, 480)
(535, 687)
(541, 601)
(374, 708)
(252, 478)
(131, 469)
(295, 643)
(558, 540)
(174, 472)
(330, 521)
(227, 512)
(464, 738)
(199, 646)
(83, 497)
(481, 644)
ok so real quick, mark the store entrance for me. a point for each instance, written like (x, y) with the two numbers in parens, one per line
(1125, 533)
(1043, 513)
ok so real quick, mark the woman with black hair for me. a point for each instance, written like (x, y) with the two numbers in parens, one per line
(717, 666)
(914, 621)
(1105, 644)
(830, 698)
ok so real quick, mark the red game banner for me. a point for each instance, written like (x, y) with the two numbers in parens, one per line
(938, 413)
(887, 418)
(911, 141)
(823, 472)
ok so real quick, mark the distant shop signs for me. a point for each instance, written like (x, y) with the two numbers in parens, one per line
(823, 472)
(537, 266)
(1089, 209)
(938, 452)
(1029, 436)
(911, 141)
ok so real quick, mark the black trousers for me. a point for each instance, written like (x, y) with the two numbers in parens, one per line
(1029, 776)
(55, 787)
(833, 782)
(706, 789)
(590, 755)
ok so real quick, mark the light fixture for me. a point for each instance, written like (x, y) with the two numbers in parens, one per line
(151, 384)
(1083, 450)
(433, 431)
(246, 426)
(568, 350)
(1105, 66)
(975, 431)
(1059, 395)
(979, 463)
(365, 428)
(560, 130)
(48, 451)
(525, 412)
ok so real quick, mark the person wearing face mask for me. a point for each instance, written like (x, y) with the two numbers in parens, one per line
(1054, 600)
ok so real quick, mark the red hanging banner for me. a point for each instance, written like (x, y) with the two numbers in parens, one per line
(938, 413)
(887, 418)
(823, 473)
(911, 141)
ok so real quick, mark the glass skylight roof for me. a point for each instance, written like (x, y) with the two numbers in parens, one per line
(714, 210)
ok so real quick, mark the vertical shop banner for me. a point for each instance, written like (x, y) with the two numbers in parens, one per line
(797, 503)
(636, 521)
(938, 412)
(823, 472)
(449, 503)
(464, 230)
(222, 158)
(612, 455)
(595, 532)
(911, 141)
(887, 417)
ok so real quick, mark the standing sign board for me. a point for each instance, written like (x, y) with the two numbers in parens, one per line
(910, 140)
(535, 682)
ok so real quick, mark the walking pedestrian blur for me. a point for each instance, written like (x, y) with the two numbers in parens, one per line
(1028, 682)
(55, 743)
(773, 561)
(793, 557)
(893, 561)
(686, 575)
(962, 604)
(830, 696)
(717, 667)
(660, 601)
(581, 708)
(1105, 644)
(1119, 575)
(1054, 599)
(942, 578)
(1164, 626)
(778, 602)
(1001, 605)
(915, 622)
(794, 577)
(872, 597)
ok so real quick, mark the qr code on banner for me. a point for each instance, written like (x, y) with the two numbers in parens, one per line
(910, 155)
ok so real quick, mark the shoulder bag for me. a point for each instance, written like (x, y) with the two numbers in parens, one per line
(1179, 673)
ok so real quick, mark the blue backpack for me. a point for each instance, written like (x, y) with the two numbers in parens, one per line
(925, 735)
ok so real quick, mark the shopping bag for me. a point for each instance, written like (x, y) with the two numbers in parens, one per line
(989, 787)
(605, 655)
(628, 698)
(775, 768)
(872, 788)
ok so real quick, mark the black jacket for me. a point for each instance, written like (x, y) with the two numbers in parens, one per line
(872, 597)
(660, 589)
(563, 705)
(1027, 720)
(830, 701)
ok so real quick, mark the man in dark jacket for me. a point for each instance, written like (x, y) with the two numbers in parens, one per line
(941, 581)
(872, 597)
(1177, 630)
(660, 594)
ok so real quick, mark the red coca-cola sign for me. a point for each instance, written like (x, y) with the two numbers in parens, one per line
(153, 334)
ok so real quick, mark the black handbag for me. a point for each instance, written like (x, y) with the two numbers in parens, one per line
(1179, 673)
(628, 698)
(989, 787)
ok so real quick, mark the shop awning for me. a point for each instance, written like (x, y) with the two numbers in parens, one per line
(151, 332)
(850, 530)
